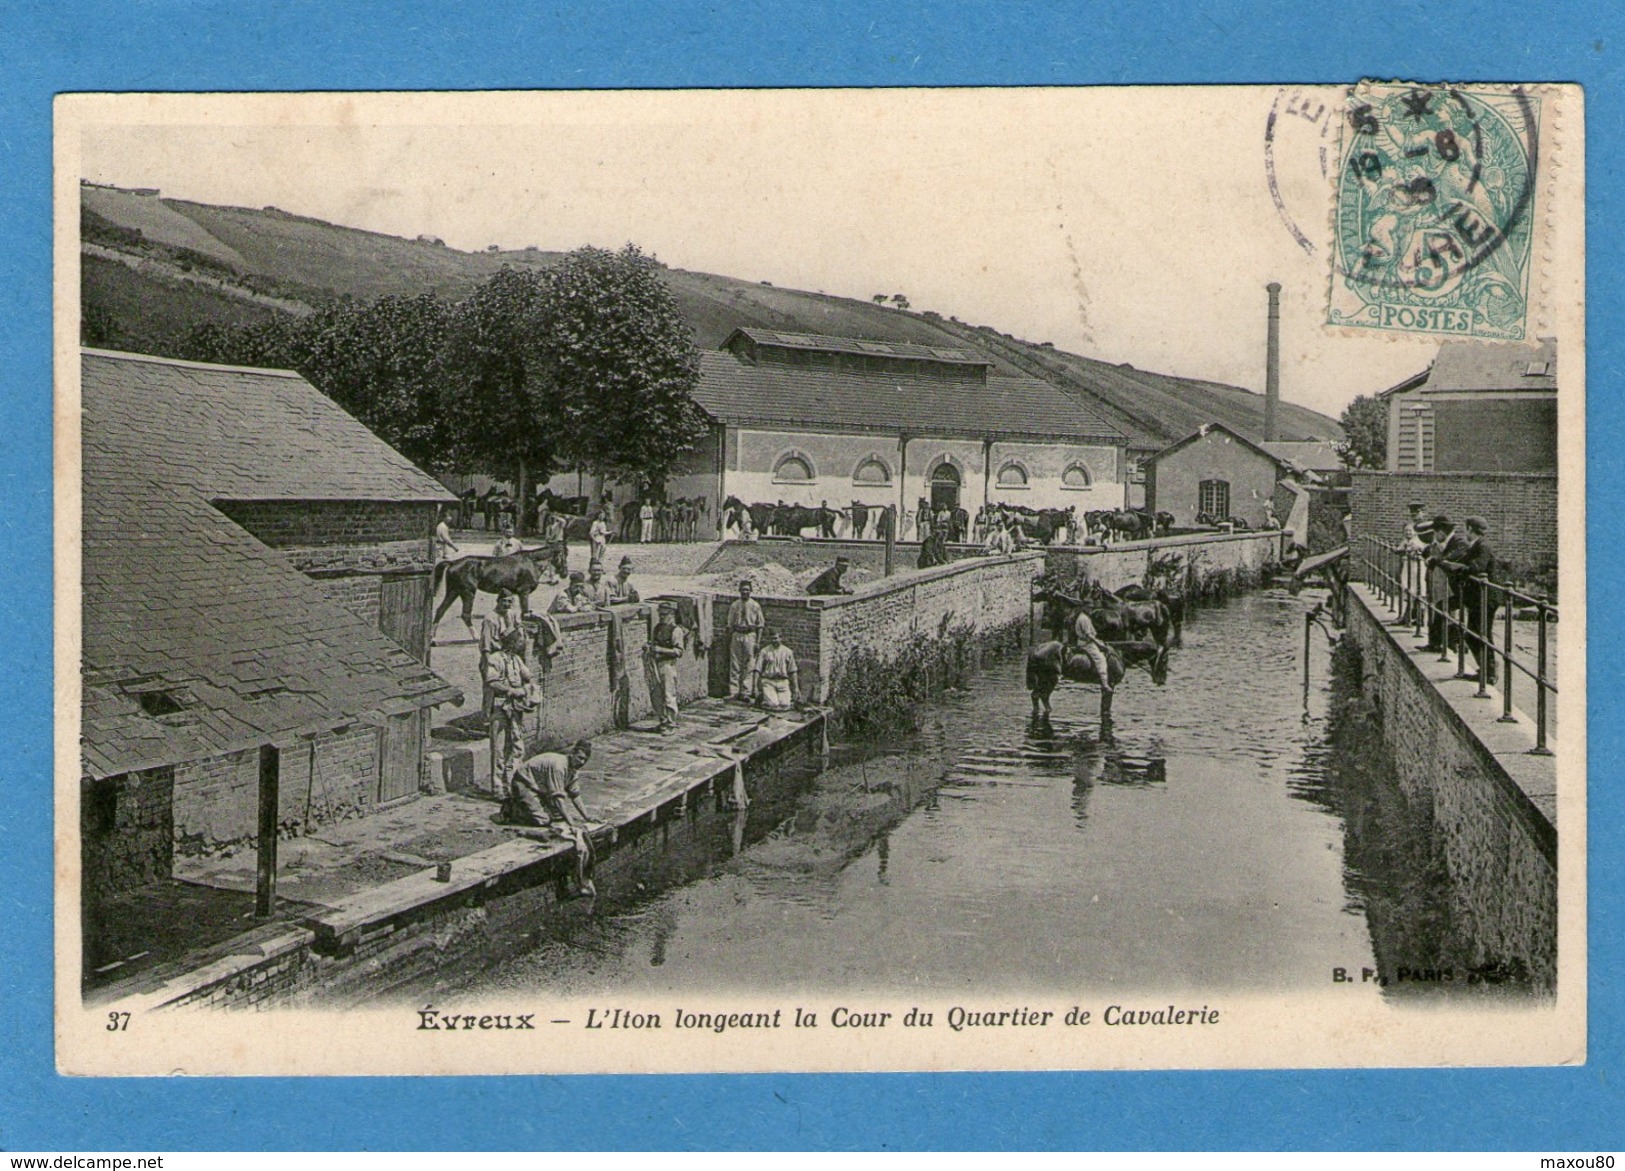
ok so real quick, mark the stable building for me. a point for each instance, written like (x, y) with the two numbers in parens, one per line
(1221, 473)
(244, 541)
(809, 419)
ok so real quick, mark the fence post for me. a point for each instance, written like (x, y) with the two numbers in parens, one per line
(1461, 635)
(1540, 748)
(1506, 716)
(1481, 645)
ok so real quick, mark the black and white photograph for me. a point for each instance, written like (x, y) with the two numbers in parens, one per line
(689, 581)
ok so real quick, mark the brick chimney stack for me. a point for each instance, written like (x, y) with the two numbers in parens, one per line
(1272, 365)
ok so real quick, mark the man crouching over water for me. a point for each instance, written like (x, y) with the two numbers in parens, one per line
(546, 791)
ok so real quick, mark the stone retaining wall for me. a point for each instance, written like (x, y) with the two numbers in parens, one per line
(1240, 557)
(583, 695)
(987, 595)
(1500, 845)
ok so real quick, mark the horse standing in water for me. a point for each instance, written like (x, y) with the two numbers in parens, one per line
(1050, 662)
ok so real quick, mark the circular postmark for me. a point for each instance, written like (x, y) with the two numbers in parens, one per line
(1433, 221)
(1300, 142)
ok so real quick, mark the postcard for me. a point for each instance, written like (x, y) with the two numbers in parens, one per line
(941, 579)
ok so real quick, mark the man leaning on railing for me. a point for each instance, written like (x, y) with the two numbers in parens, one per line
(1474, 573)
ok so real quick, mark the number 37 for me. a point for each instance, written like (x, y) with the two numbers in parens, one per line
(118, 1022)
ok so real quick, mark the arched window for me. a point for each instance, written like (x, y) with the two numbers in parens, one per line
(1012, 475)
(945, 473)
(793, 468)
(1076, 476)
(871, 469)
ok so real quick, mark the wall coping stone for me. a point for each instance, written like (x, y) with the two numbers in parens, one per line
(1502, 749)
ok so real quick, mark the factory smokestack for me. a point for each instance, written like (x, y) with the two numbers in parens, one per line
(1272, 365)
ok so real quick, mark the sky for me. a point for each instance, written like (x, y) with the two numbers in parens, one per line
(1131, 224)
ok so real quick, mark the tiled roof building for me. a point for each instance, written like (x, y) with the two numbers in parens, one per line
(255, 572)
(861, 425)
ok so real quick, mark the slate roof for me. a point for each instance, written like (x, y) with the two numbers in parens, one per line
(1493, 366)
(181, 602)
(239, 434)
(1209, 428)
(1315, 456)
(734, 391)
(851, 345)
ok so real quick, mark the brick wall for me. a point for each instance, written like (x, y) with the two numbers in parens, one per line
(284, 524)
(1500, 850)
(216, 800)
(799, 554)
(1521, 510)
(126, 832)
(1126, 564)
(580, 698)
(987, 594)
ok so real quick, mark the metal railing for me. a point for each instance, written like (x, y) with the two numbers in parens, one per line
(1399, 578)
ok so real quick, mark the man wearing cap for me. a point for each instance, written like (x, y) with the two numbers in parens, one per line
(508, 679)
(1418, 532)
(828, 583)
(493, 629)
(621, 590)
(646, 522)
(1471, 559)
(667, 643)
(745, 622)
(776, 680)
(1441, 591)
(598, 590)
(574, 599)
(547, 791)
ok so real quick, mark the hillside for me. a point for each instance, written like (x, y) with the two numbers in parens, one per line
(154, 267)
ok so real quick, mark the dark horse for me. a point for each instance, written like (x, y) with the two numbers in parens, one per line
(518, 572)
(1050, 662)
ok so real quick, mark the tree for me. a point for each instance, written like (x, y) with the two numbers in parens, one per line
(899, 300)
(608, 345)
(880, 298)
(497, 418)
(1365, 433)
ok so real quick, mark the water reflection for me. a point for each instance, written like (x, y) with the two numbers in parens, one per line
(1217, 841)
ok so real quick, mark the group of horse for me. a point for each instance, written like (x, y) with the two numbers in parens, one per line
(1138, 626)
(674, 520)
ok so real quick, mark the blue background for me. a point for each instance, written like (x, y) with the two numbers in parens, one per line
(276, 44)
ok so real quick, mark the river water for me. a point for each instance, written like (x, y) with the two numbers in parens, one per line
(1220, 841)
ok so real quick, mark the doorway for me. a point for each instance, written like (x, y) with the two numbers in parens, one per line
(945, 488)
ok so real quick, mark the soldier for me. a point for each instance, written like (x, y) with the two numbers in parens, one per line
(667, 642)
(621, 590)
(646, 522)
(494, 628)
(598, 589)
(508, 679)
(776, 681)
(575, 598)
(547, 791)
(745, 622)
(829, 583)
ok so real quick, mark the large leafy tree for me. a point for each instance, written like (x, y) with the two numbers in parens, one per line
(498, 418)
(1365, 433)
(609, 348)
(377, 361)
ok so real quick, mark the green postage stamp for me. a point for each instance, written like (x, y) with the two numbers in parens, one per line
(1435, 210)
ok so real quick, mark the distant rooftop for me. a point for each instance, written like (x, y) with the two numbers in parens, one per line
(1315, 456)
(1469, 366)
(953, 355)
(737, 392)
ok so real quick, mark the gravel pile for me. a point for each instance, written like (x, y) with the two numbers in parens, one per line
(775, 581)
